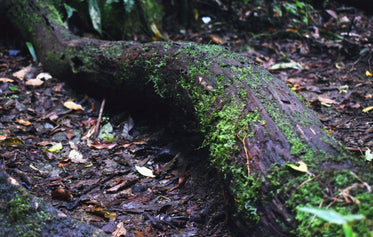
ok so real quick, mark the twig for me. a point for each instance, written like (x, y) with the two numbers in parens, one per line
(97, 128)
(247, 155)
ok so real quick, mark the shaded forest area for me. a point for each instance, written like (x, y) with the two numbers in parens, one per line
(326, 61)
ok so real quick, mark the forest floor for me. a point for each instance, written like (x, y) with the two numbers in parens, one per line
(153, 180)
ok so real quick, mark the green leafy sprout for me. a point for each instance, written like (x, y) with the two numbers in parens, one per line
(334, 217)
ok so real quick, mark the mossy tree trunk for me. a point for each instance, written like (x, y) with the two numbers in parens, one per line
(252, 123)
(22, 214)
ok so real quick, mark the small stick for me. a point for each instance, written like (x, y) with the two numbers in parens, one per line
(97, 128)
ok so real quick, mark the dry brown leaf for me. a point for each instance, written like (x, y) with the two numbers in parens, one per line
(120, 231)
(77, 157)
(3, 79)
(132, 143)
(58, 87)
(63, 163)
(217, 39)
(326, 100)
(46, 143)
(61, 193)
(12, 142)
(72, 105)
(24, 122)
(73, 145)
(34, 82)
(22, 73)
(44, 76)
(103, 146)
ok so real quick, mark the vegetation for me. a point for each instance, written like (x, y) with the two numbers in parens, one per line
(222, 106)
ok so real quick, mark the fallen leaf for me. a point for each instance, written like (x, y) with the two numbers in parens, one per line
(127, 127)
(61, 193)
(106, 133)
(301, 167)
(13, 181)
(291, 65)
(355, 106)
(89, 122)
(343, 89)
(132, 143)
(90, 132)
(55, 148)
(13, 88)
(73, 145)
(145, 171)
(126, 182)
(22, 73)
(34, 82)
(72, 105)
(367, 109)
(77, 157)
(44, 76)
(326, 100)
(120, 231)
(217, 39)
(46, 143)
(70, 135)
(103, 146)
(23, 122)
(292, 30)
(3, 79)
(368, 155)
(332, 13)
(63, 163)
(157, 33)
(110, 215)
(58, 87)
(12, 142)
(181, 180)
(95, 208)
(340, 66)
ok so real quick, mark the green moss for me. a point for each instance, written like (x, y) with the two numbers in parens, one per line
(229, 122)
(53, 15)
(19, 212)
(153, 68)
(299, 190)
(224, 126)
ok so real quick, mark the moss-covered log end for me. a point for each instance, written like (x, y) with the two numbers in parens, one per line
(22, 214)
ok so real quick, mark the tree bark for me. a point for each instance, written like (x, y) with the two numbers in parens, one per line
(252, 123)
(22, 214)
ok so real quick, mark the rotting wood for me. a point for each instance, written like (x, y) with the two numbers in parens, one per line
(228, 96)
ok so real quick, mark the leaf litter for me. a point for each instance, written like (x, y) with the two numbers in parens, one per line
(111, 182)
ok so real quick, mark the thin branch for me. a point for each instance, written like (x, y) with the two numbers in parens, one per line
(97, 128)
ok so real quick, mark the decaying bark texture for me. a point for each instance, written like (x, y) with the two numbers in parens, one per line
(22, 214)
(252, 123)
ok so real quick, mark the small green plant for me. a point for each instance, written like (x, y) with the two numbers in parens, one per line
(299, 11)
(334, 217)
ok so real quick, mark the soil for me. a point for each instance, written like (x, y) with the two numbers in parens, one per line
(153, 179)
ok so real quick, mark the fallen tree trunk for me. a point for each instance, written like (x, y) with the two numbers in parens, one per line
(252, 123)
